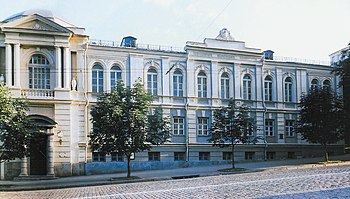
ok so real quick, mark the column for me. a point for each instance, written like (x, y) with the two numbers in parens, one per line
(8, 64)
(81, 70)
(67, 68)
(58, 67)
(107, 79)
(50, 160)
(17, 67)
(215, 87)
(24, 168)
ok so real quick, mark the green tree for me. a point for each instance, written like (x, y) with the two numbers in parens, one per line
(321, 118)
(232, 125)
(121, 124)
(342, 69)
(16, 130)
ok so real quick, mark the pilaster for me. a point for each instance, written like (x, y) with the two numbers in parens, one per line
(8, 64)
(17, 67)
(58, 68)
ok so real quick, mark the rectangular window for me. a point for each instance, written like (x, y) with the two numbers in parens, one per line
(226, 155)
(291, 155)
(178, 84)
(249, 155)
(178, 125)
(117, 157)
(289, 128)
(225, 88)
(98, 157)
(204, 155)
(268, 90)
(269, 127)
(153, 156)
(271, 155)
(288, 92)
(202, 128)
(179, 156)
(202, 86)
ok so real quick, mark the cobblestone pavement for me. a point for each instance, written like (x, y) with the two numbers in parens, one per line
(328, 182)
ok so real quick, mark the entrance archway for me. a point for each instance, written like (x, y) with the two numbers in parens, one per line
(41, 149)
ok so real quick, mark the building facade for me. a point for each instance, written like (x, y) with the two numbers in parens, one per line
(60, 70)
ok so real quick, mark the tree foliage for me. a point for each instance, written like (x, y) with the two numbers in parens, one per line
(321, 117)
(342, 69)
(232, 125)
(16, 130)
(121, 122)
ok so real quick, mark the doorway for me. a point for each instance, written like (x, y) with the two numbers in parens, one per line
(38, 154)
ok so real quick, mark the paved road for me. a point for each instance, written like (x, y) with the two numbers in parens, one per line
(328, 182)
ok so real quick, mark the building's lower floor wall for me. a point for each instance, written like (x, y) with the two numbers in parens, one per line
(176, 156)
(168, 157)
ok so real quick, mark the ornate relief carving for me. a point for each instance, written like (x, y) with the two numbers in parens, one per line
(247, 71)
(288, 74)
(202, 67)
(152, 62)
(269, 73)
(225, 69)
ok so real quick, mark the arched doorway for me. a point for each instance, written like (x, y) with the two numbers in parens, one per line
(41, 146)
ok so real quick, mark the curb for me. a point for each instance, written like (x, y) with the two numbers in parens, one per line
(15, 187)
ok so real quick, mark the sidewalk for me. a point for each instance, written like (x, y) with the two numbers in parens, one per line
(153, 175)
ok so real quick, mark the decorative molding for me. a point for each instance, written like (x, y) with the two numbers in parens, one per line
(247, 71)
(269, 73)
(202, 67)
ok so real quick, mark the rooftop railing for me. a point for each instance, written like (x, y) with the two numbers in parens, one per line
(95, 42)
(301, 60)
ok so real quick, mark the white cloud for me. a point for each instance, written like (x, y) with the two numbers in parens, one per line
(161, 3)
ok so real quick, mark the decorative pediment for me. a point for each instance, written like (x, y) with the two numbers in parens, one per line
(38, 25)
(35, 22)
(152, 63)
(225, 69)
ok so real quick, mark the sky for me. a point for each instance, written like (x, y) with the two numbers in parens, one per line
(310, 29)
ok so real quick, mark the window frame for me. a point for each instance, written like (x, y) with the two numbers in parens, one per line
(178, 83)
(119, 157)
(98, 157)
(270, 127)
(179, 156)
(247, 87)
(115, 76)
(289, 128)
(204, 156)
(203, 126)
(288, 89)
(152, 81)
(202, 85)
(268, 91)
(178, 126)
(39, 76)
(314, 84)
(226, 155)
(154, 156)
(98, 75)
(225, 86)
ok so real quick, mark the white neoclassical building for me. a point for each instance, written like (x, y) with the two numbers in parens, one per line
(60, 70)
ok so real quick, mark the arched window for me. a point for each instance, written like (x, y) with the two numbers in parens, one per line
(326, 84)
(97, 78)
(178, 83)
(288, 89)
(39, 72)
(116, 74)
(314, 84)
(152, 84)
(268, 88)
(225, 86)
(202, 84)
(247, 87)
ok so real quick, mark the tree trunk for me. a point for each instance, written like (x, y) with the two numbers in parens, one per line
(233, 156)
(128, 157)
(325, 152)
